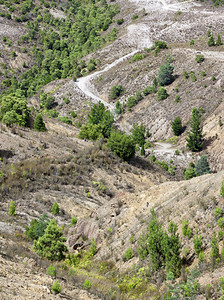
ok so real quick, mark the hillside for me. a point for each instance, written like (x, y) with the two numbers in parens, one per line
(89, 92)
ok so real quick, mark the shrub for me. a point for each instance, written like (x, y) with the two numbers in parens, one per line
(137, 57)
(195, 137)
(191, 42)
(120, 21)
(222, 189)
(197, 240)
(87, 284)
(12, 208)
(162, 93)
(211, 41)
(122, 145)
(65, 120)
(190, 172)
(39, 124)
(128, 254)
(186, 229)
(74, 220)
(55, 208)
(148, 90)
(199, 58)
(116, 91)
(51, 271)
(185, 74)
(56, 288)
(219, 41)
(132, 101)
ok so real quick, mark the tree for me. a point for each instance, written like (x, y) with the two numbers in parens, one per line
(162, 93)
(39, 124)
(211, 41)
(195, 137)
(14, 109)
(165, 76)
(37, 227)
(51, 244)
(138, 134)
(122, 145)
(202, 166)
(177, 126)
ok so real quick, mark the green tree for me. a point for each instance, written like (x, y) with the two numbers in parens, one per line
(162, 93)
(122, 145)
(51, 244)
(202, 166)
(37, 227)
(138, 134)
(39, 124)
(14, 109)
(165, 75)
(177, 126)
(12, 208)
(195, 137)
(197, 241)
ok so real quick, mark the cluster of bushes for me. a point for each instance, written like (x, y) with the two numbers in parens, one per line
(211, 40)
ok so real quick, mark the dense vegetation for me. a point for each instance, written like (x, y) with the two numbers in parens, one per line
(57, 44)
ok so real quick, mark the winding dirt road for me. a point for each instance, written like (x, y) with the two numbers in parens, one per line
(141, 35)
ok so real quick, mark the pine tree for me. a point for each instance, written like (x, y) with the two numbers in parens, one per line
(138, 134)
(39, 123)
(165, 75)
(177, 126)
(202, 166)
(195, 137)
(51, 244)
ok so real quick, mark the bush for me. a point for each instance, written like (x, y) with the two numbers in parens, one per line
(12, 208)
(74, 220)
(162, 93)
(65, 120)
(120, 21)
(51, 271)
(116, 91)
(55, 208)
(39, 124)
(222, 189)
(185, 229)
(211, 41)
(148, 90)
(199, 58)
(87, 284)
(122, 145)
(190, 172)
(128, 254)
(56, 288)
(197, 240)
(132, 101)
(137, 57)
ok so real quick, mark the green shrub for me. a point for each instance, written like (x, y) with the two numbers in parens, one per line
(128, 254)
(185, 229)
(162, 93)
(197, 240)
(202, 166)
(51, 271)
(185, 74)
(193, 76)
(87, 284)
(148, 90)
(56, 288)
(116, 91)
(65, 120)
(222, 189)
(211, 41)
(132, 101)
(55, 208)
(12, 208)
(199, 58)
(120, 21)
(165, 75)
(74, 220)
(137, 57)
(73, 114)
(191, 42)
